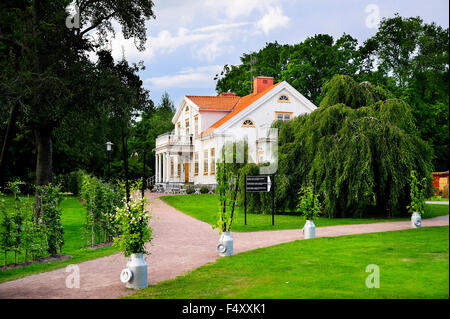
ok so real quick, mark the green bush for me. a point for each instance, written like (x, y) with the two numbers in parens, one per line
(100, 200)
(71, 182)
(204, 190)
(48, 199)
(21, 232)
(190, 190)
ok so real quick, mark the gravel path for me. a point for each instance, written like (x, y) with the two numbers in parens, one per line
(180, 243)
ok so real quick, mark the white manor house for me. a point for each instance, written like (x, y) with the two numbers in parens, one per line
(204, 123)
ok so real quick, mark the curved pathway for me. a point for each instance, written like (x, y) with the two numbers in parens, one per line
(181, 243)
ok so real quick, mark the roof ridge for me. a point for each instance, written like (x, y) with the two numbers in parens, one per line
(234, 111)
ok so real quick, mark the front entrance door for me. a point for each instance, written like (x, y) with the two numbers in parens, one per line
(186, 172)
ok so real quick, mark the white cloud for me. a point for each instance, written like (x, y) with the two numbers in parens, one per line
(233, 9)
(206, 43)
(221, 27)
(187, 78)
(273, 19)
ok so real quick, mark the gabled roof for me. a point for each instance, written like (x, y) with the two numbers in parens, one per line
(242, 104)
(219, 103)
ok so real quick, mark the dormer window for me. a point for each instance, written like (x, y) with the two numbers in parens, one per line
(248, 123)
(283, 98)
(186, 110)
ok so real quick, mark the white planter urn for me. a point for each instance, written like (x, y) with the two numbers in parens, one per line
(135, 275)
(225, 246)
(416, 220)
(309, 230)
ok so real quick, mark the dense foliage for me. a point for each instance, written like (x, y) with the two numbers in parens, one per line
(48, 81)
(406, 59)
(48, 199)
(417, 194)
(309, 205)
(22, 233)
(101, 200)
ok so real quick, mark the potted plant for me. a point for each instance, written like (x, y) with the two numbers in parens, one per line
(133, 221)
(227, 185)
(417, 206)
(309, 207)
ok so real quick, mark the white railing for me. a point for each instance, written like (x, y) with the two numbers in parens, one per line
(172, 139)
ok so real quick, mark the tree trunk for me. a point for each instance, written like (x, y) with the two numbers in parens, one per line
(44, 160)
(125, 163)
(8, 135)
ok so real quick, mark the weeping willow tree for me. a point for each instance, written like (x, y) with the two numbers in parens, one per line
(343, 89)
(358, 158)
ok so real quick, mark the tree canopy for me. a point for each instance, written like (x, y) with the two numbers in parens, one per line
(405, 59)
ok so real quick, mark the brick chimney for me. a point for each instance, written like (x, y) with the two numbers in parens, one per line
(260, 83)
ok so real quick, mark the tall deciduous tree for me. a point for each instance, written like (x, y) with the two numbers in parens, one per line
(52, 55)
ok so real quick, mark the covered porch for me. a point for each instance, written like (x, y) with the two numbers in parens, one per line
(173, 158)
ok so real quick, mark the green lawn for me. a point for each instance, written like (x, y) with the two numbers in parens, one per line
(437, 198)
(204, 207)
(73, 219)
(413, 264)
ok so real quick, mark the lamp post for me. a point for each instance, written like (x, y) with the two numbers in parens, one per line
(108, 150)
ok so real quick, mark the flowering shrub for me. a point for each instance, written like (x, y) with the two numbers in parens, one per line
(133, 220)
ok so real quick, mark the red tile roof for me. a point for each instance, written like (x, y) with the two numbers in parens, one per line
(242, 104)
(220, 103)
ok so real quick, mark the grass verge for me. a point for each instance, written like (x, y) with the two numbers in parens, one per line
(412, 263)
(204, 207)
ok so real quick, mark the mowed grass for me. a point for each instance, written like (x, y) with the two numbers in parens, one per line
(205, 208)
(412, 263)
(73, 220)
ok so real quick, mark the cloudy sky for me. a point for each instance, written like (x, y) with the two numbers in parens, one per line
(191, 40)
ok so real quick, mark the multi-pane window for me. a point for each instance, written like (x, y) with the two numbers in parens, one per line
(248, 123)
(178, 128)
(196, 125)
(171, 167)
(213, 161)
(178, 169)
(187, 127)
(196, 163)
(283, 98)
(205, 162)
(283, 116)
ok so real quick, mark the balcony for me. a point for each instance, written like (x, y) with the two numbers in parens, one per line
(174, 143)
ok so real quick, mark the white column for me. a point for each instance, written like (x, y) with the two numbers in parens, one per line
(156, 168)
(166, 167)
(160, 167)
(163, 167)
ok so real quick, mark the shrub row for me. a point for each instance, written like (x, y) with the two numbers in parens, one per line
(31, 229)
(100, 200)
